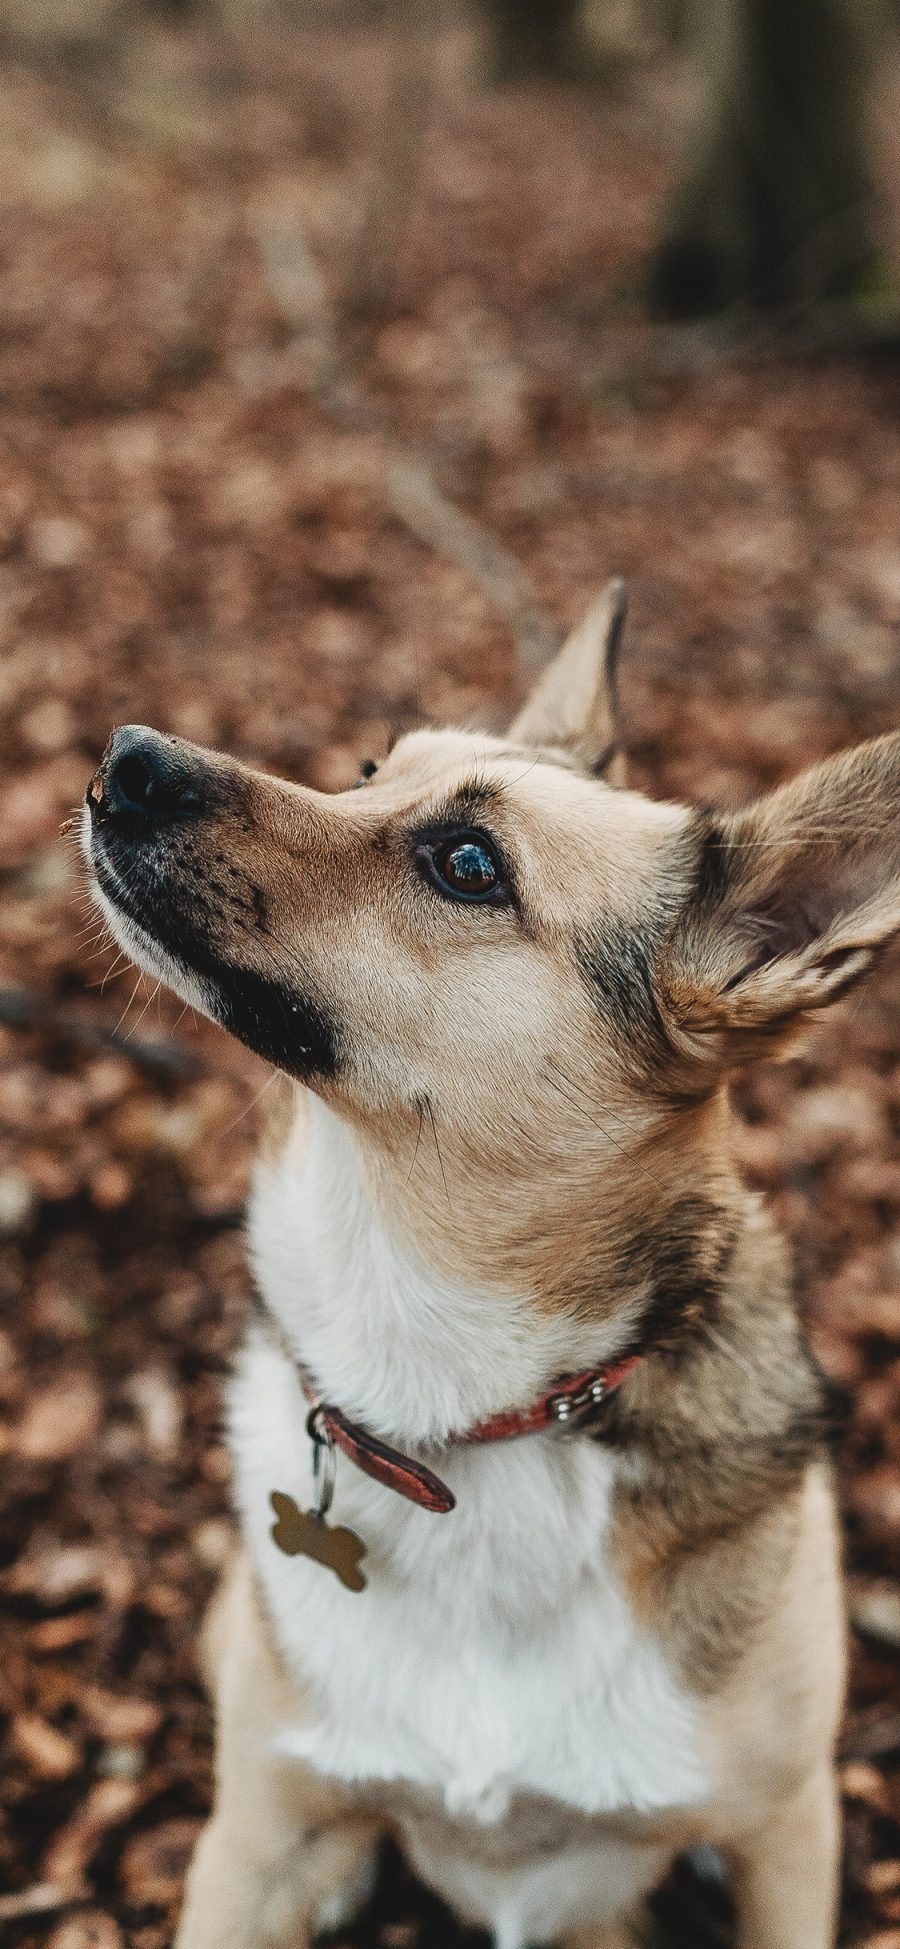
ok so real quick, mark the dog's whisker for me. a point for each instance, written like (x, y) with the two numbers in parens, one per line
(247, 1107)
(581, 1102)
(114, 970)
(430, 1110)
(151, 998)
(135, 990)
(421, 1109)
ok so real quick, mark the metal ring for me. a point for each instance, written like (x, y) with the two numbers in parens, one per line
(324, 1468)
(314, 1421)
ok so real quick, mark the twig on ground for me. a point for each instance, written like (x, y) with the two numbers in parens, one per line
(163, 1055)
(410, 486)
(299, 290)
(42, 1898)
(418, 501)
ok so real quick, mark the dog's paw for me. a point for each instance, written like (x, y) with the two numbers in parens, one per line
(343, 1906)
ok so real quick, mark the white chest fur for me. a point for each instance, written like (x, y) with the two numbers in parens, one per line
(493, 1658)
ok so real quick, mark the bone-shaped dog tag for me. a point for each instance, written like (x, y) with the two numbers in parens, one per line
(300, 1532)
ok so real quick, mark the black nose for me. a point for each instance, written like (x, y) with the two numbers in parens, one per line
(145, 773)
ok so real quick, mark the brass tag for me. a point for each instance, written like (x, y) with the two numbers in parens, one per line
(301, 1532)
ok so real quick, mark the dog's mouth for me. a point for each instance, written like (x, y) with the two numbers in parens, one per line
(179, 910)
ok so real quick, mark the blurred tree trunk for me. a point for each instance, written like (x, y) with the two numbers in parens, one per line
(673, 18)
(777, 204)
(535, 38)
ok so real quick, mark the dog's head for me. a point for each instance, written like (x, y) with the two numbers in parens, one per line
(488, 933)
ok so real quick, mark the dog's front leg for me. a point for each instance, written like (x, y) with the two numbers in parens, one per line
(281, 1853)
(786, 1877)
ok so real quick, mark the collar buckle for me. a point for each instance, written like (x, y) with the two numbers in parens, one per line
(570, 1410)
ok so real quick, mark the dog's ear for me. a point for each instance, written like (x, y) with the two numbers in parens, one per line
(792, 901)
(574, 705)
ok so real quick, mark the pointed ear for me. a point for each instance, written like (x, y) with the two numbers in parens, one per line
(793, 900)
(575, 703)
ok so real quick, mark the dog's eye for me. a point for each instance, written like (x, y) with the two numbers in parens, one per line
(467, 868)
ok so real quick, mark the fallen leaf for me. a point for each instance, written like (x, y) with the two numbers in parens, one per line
(61, 1419)
(154, 1863)
(105, 1806)
(89, 1931)
(877, 1615)
(47, 1751)
(859, 1781)
(55, 1573)
(119, 1718)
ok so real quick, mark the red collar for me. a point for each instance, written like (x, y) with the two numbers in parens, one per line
(569, 1403)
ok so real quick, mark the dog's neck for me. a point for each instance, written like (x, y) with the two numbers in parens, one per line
(398, 1343)
(720, 1418)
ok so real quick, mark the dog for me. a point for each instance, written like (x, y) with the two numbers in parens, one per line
(539, 1567)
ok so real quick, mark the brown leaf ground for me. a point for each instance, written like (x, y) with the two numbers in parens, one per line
(197, 528)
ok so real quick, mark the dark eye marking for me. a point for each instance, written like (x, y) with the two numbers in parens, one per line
(465, 865)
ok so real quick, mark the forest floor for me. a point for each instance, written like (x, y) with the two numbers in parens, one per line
(271, 310)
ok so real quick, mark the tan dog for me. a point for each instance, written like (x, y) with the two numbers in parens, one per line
(506, 996)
